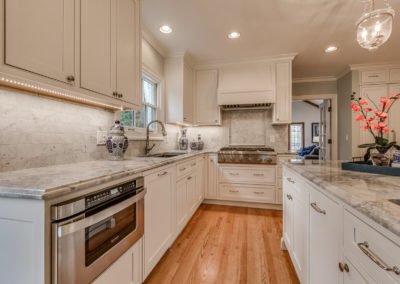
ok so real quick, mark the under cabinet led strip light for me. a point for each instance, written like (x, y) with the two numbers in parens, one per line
(18, 84)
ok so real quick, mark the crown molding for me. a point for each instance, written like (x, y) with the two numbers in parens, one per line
(219, 63)
(314, 79)
(365, 66)
(147, 36)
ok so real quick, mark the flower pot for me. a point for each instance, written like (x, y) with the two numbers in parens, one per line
(379, 159)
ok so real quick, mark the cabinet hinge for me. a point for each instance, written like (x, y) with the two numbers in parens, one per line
(329, 141)
(329, 109)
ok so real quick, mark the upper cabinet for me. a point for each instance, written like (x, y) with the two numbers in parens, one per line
(179, 77)
(39, 36)
(207, 111)
(110, 48)
(283, 106)
(91, 47)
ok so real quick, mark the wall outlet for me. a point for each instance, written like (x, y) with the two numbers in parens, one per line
(272, 139)
(101, 137)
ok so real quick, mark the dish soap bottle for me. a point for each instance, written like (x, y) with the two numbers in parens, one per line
(200, 143)
(183, 141)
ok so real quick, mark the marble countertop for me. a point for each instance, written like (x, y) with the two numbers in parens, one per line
(53, 181)
(367, 193)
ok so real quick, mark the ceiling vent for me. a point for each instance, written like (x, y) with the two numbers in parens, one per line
(265, 106)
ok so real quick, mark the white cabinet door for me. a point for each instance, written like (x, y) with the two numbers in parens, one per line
(206, 104)
(283, 107)
(288, 214)
(201, 178)
(394, 113)
(352, 275)
(181, 204)
(125, 270)
(98, 46)
(191, 194)
(325, 239)
(159, 218)
(129, 51)
(212, 189)
(187, 94)
(40, 37)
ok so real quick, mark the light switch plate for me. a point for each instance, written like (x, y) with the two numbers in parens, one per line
(272, 139)
(101, 137)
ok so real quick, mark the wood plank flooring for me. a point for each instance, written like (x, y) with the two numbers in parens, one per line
(224, 244)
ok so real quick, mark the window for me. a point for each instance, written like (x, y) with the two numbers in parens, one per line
(140, 118)
(296, 136)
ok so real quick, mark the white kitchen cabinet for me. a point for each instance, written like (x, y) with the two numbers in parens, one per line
(191, 187)
(201, 181)
(179, 90)
(212, 188)
(125, 270)
(282, 113)
(324, 239)
(40, 37)
(110, 49)
(352, 275)
(182, 204)
(206, 105)
(374, 76)
(159, 216)
(394, 113)
(288, 212)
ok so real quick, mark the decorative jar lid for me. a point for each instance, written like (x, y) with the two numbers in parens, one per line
(117, 129)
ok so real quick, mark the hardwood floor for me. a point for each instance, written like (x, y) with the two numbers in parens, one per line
(224, 244)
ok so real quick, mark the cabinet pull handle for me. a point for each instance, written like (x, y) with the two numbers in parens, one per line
(193, 164)
(289, 197)
(364, 247)
(373, 76)
(343, 267)
(182, 169)
(189, 178)
(162, 174)
(70, 78)
(231, 190)
(258, 175)
(316, 208)
(234, 174)
(258, 192)
(290, 180)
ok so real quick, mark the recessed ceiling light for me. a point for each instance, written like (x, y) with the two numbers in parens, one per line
(331, 48)
(166, 29)
(234, 35)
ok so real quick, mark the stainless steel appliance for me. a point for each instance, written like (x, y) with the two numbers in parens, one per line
(247, 155)
(89, 233)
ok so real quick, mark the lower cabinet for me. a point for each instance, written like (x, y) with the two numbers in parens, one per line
(325, 239)
(186, 200)
(211, 190)
(159, 216)
(126, 270)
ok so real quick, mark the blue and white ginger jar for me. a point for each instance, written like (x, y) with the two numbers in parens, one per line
(117, 142)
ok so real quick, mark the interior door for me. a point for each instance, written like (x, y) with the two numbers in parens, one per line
(325, 130)
(32, 44)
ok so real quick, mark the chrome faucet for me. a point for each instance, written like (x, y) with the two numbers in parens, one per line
(164, 133)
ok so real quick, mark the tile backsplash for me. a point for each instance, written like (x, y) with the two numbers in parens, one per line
(37, 132)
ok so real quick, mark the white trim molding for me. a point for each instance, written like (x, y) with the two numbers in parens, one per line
(147, 36)
(314, 79)
(374, 66)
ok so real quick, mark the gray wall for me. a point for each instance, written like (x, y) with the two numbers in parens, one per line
(344, 116)
(314, 88)
(303, 112)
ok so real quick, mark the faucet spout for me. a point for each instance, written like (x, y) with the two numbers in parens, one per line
(163, 131)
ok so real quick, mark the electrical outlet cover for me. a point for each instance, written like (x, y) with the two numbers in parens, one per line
(101, 137)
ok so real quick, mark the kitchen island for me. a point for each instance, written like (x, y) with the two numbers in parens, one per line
(341, 226)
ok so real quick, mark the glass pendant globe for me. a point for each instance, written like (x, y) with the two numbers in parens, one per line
(375, 28)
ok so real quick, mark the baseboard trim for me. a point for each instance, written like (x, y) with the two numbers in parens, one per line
(243, 204)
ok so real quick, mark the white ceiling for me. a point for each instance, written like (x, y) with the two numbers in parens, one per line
(269, 27)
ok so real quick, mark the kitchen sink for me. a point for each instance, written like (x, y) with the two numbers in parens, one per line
(395, 201)
(167, 154)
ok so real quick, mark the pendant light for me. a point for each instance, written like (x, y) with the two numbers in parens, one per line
(375, 26)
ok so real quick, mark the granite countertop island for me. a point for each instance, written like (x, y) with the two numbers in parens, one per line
(367, 193)
(50, 182)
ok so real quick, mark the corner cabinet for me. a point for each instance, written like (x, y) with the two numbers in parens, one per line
(89, 47)
(110, 49)
(179, 77)
(207, 111)
(282, 113)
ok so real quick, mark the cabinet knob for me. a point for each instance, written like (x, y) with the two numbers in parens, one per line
(120, 95)
(115, 94)
(289, 197)
(343, 267)
(70, 78)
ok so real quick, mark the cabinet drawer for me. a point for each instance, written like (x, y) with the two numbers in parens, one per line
(376, 76)
(250, 193)
(369, 249)
(185, 168)
(251, 175)
(395, 75)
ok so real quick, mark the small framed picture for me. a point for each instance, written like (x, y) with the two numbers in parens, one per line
(315, 132)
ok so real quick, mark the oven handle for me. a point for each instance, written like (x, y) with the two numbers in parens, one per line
(80, 222)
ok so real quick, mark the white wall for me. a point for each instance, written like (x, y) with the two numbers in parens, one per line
(304, 112)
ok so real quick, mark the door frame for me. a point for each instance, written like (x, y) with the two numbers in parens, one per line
(334, 122)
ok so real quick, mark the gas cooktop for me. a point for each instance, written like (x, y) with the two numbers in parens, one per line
(247, 155)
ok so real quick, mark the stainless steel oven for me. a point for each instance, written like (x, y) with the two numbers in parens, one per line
(91, 232)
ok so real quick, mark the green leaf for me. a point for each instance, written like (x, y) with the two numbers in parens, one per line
(367, 145)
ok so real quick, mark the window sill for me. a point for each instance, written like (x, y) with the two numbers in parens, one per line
(143, 137)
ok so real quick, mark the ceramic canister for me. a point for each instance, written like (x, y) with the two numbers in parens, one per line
(117, 142)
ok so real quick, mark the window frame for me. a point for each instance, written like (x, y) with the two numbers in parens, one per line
(149, 76)
(289, 134)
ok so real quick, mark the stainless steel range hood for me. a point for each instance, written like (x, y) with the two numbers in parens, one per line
(264, 106)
